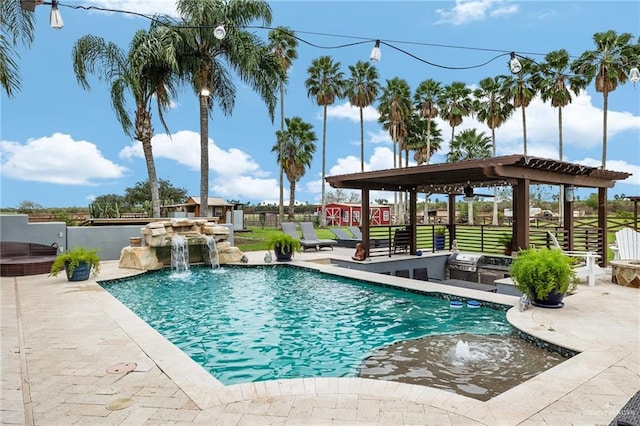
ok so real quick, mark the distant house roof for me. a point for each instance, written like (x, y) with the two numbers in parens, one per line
(211, 201)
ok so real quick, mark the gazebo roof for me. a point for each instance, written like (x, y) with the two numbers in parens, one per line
(451, 178)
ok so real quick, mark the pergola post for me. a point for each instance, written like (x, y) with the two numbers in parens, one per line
(413, 220)
(364, 220)
(521, 214)
(568, 220)
(452, 218)
(602, 224)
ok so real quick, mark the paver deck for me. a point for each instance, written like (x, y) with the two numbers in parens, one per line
(61, 342)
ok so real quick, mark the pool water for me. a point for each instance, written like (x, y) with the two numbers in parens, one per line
(246, 324)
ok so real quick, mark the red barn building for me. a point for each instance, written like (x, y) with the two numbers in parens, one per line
(346, 214)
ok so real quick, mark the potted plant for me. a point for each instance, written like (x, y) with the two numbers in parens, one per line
(544, 275)
(77, 263)
(506, 241)
(439, 237)
(284, 246)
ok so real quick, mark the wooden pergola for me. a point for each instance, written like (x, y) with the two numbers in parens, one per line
(517, 171)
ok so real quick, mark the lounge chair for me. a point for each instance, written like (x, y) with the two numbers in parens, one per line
(309, 234)
(344, 239)
(289, 228)
(589, 270)
(355, 231)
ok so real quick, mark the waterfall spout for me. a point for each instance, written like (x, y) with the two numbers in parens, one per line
(179, 255)
(213, 252)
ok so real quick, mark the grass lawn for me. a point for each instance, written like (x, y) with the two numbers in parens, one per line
(256, 238)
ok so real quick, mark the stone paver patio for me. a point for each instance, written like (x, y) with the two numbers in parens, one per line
(59, 339)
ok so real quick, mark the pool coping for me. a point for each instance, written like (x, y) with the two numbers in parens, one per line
(609, 351)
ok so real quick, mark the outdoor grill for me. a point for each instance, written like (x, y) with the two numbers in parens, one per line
(477, 267)
(464, 266)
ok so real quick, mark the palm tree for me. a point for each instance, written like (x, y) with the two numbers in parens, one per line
(469, 145)
(295, 148)
(362, 89)
(554, 82)
(148, 71)
(207, 51)
(455, 103)
(395, 109)
(283, 44)
(493, 110)
(608, 64)
(17, 28)
(425, 99)
(521, 90)
(418, 141)
(324, 84)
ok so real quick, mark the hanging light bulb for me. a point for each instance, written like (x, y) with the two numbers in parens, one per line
(220, 32)
(55, 19)
(375, 52)
(514, 64)
(634, 75)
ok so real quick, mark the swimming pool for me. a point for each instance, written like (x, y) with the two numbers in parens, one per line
(247, 324)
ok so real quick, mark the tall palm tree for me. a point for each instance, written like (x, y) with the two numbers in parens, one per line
(147, 71)
(521, 90)
(455, 103)
(425, 99)
(608, 64)
(555, 81)
(362, 89)
(295, 147)
(324, 84)
(283, 44)
(16, 26)
(395, 109)
(469, 145)
(418, 141)
(206, 53)
(493, 110)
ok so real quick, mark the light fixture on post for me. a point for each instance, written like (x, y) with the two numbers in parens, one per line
(468, 193)
(569, 194)
(55, 19)
(220, 32)
(514, 64)
(634, 75)
(205, 92)
(375, 52)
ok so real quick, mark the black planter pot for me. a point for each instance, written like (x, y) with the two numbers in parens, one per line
(282, 256)
(553, 300)
(80, 273)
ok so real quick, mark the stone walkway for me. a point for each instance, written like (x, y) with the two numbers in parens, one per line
(67, 347)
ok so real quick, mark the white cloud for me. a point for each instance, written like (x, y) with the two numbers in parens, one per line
(247, 187)
(184, 148)
(57, 159)
(381, 136)
(348, 111)
(466, 11)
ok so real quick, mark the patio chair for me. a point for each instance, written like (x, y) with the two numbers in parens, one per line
(344, 239)
(355, 231)
(309, 234)
(627, 244)
(589, 270)
(289, 228)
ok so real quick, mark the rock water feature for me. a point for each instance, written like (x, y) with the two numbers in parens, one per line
(477, 366)
(201, 241)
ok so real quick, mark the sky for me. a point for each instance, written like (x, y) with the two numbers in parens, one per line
(61, 145)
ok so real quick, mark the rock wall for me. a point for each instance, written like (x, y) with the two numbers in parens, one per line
(155, 251)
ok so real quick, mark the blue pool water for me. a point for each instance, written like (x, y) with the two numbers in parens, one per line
(247, 324)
